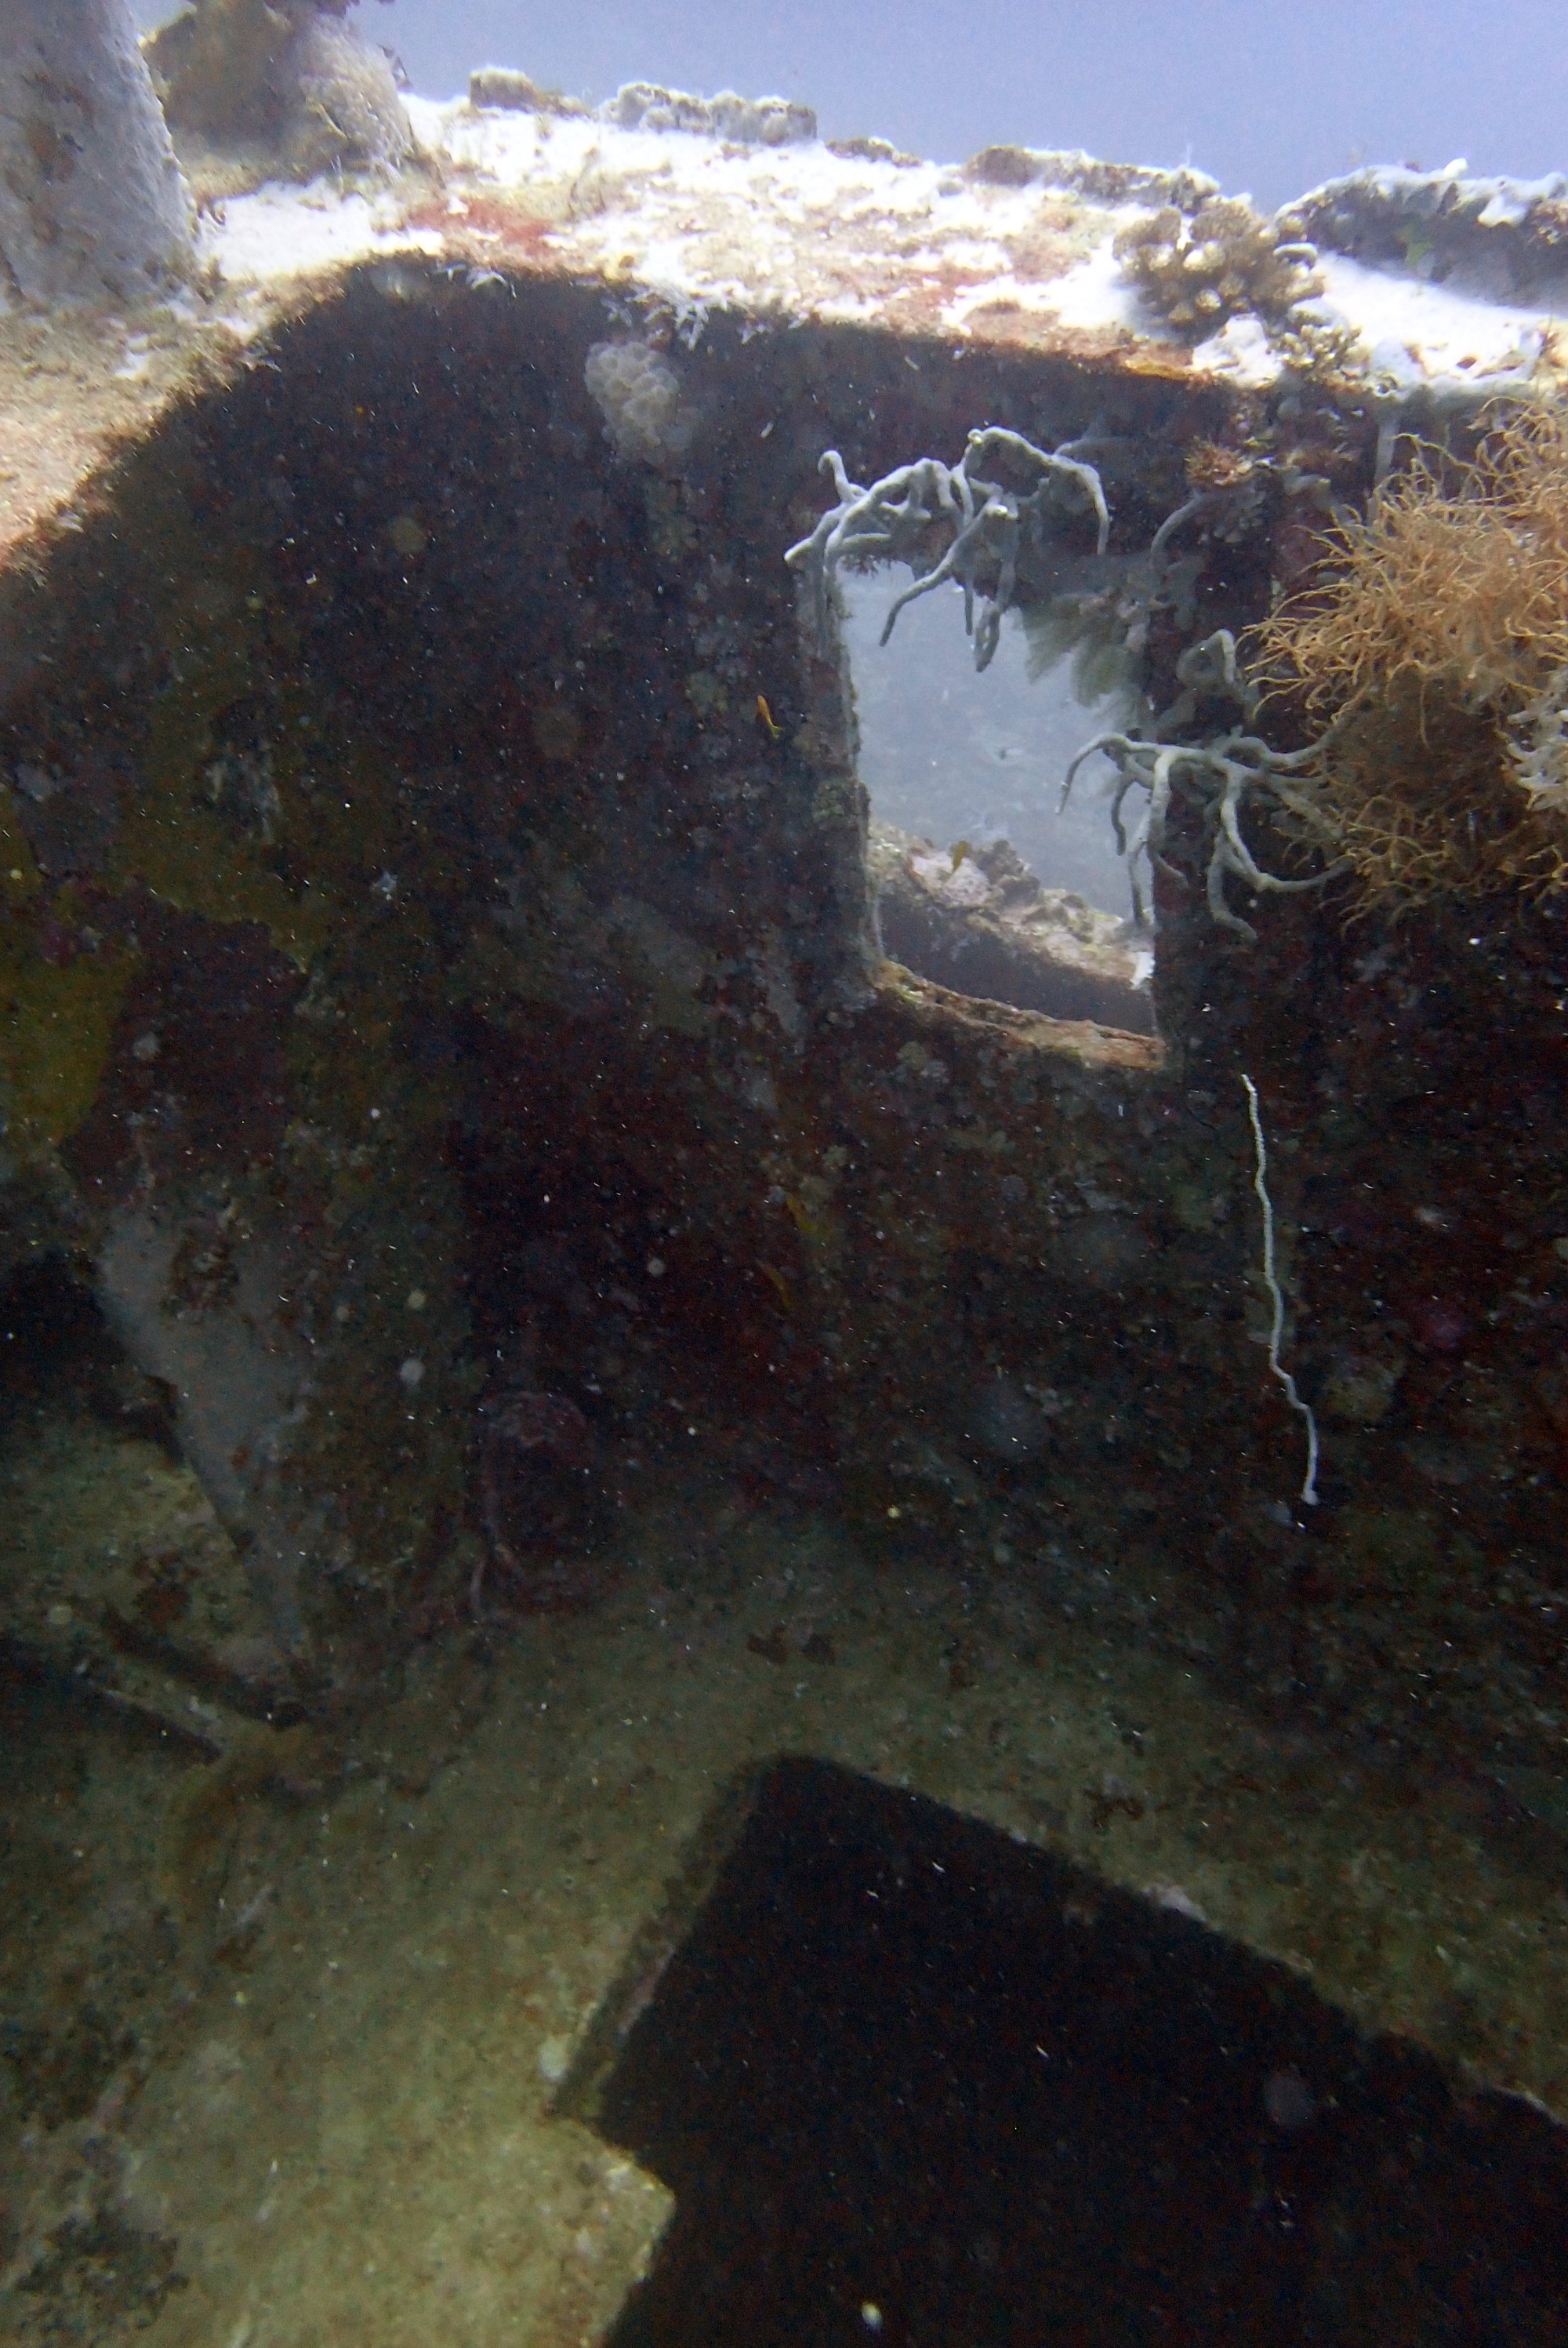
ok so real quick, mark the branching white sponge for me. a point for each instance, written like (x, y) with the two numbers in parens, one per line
(1275, 1296)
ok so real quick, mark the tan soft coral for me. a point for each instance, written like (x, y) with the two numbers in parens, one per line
(1196, 273)
(1438, 644)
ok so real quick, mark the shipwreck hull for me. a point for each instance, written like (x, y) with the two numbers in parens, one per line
(519, 1313)
(438, 895)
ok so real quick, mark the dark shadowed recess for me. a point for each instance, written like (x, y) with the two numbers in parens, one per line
(56, 1351)
(915, 2083)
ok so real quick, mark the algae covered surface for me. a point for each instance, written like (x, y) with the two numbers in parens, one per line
(284, 2029)
(517, 1312)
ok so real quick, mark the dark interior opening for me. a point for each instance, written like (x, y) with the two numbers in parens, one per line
(982, 882)
(48, 1321)
(56, 1349)
(913, 2082)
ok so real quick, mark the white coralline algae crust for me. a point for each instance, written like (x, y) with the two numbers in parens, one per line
(1417, 332)
(291, 232)
(1017, 251)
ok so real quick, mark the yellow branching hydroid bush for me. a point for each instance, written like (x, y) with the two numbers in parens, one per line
(1436, 644)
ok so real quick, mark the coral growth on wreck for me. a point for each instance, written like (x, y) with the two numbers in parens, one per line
(950, 522)
(1196, 273)
(638, 393)
(264, 84)
(1216, 779)
(1437, 643)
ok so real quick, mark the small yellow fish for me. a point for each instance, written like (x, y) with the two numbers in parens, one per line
(817, 1227)
(959, 850)
(786, 1291)
(801, 1216)
(766, 716)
